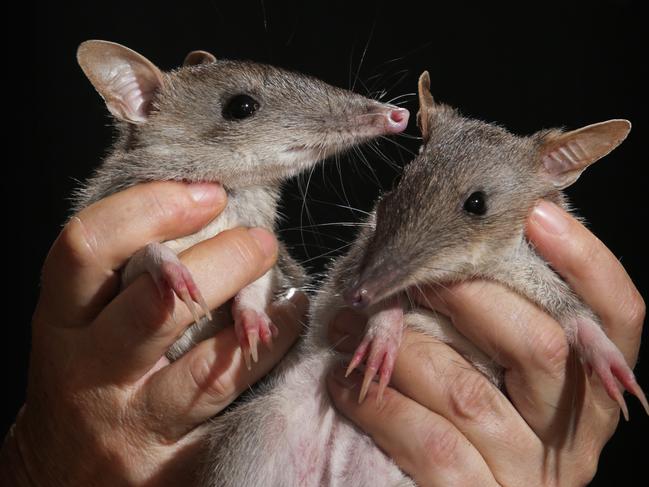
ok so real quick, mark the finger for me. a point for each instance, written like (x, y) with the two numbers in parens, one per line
(423, 444)
(528, 343)
(593, 272)
(434, 375)
(79, 274)
(139, 325)
(213, 374)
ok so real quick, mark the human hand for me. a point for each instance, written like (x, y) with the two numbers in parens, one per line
(445, 424)
(104, 406)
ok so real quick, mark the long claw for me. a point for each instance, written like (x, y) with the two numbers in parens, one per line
(384, 379)
(370, 372)
(626, 377)
(201, 301)
(251, 327)
(637, 391)
(350, 368)
(611, 387)
(380, 393)
(253, 340)
(196, 295)
(246, 357)
(358, 357)
(171, 276)
(184, 295)
(617, 397)
(606, 360)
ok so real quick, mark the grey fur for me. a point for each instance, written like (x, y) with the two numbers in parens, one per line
(289, 434)
(186, 137)
(301, 121)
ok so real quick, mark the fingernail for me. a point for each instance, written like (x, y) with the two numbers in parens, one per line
(265, 239)
(550, 218)
(206, 193)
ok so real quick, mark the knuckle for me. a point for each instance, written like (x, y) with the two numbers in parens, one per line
(471, 396)
(420, 347)
(164, 210)
(151, 317)
(588, 461)
(587, 469)
(440, 445)
(208, 379)
(245, 250)
(636, 312)
(391, 405)
(78, 243)
(550, 350)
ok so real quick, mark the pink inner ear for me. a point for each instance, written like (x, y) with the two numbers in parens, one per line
(130, 94)
(567, 157)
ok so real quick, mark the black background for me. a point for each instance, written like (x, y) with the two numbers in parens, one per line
(528, 67)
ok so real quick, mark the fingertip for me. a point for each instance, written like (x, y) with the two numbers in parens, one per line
(564, 242)
(207, 194)
(266, 242)
(549, 218)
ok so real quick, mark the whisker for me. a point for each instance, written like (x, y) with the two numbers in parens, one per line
(392, 141)
(401, 96)
(316, 232)
(403, 74)
(383, 157)
(408, 136)
(330, 224)
(326, 253)
(367, 45)
(341, 206)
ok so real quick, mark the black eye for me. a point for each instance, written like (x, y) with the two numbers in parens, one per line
(240, 106)
(476, 204)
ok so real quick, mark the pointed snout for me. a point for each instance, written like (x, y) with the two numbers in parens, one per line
(396, 120)
(385, 119)
(377, 280)
(357, 297)
(370, 287)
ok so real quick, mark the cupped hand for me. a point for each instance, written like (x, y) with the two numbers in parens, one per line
(445, 424)
(104, 406)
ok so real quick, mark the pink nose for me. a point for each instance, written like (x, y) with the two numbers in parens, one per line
(397, 120)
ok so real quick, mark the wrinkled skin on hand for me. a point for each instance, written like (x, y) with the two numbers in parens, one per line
(104, 406)
(444, 423)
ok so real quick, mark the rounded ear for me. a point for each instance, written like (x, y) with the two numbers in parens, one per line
(426, 104)
(195, 58)
(564, 156)
(126, 80)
